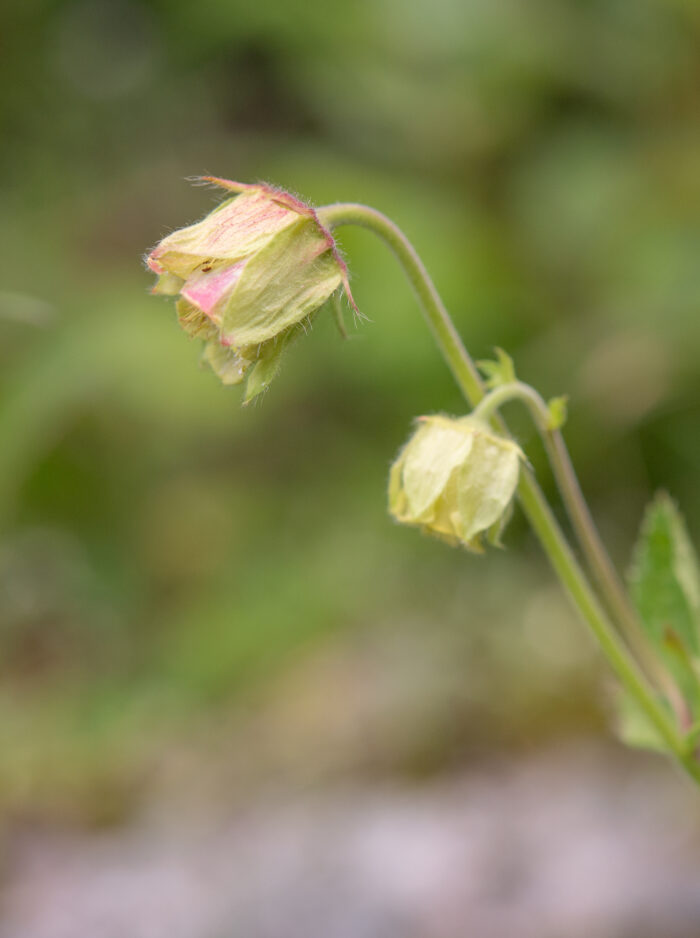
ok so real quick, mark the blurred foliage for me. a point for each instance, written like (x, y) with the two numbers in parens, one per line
(162, 551)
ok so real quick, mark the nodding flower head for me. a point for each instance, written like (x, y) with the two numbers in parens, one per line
(455, 478)
(248, 278)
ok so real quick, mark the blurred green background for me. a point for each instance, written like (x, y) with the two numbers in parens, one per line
(202, 596)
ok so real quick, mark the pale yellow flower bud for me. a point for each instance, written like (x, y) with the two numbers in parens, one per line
(455, 478)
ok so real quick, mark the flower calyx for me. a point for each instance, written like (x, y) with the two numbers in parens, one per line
(249, 277)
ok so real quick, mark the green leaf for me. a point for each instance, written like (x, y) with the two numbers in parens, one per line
(665, 586)
(692, 737)
(634, 727)
(664, 579)
(498, 372)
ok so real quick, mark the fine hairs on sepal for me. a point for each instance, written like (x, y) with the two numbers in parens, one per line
(248, 278)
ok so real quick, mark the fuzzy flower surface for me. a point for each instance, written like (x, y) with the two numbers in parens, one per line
(455, 478)
(248, 278)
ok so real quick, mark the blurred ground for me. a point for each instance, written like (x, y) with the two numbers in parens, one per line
(197, 600)
(572, 842)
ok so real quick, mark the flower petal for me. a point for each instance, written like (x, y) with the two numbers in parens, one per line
(437, 449)
(237, 229)
(210, 289)
(282, 284)
(487, 483)
(167, 285)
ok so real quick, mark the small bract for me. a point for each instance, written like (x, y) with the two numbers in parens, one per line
(249, 276)
(455, 478)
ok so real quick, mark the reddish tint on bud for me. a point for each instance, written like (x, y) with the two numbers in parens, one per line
(249, 276)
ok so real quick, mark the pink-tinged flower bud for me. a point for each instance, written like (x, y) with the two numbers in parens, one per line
(455, 478)
(249, 276)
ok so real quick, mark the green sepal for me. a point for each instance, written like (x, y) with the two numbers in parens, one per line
(338, 314)
(558, 412)
(264, 371)
(499, 371)
(282, 284)
(225, 362)
(268, 361)
(494, 535)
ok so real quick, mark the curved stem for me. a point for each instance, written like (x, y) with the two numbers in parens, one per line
(585, 529)
(591, 544)
(580, 517)
(441, 325)
(531, 498)
(514, 390)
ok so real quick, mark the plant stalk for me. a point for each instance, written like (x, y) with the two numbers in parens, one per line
(531, 498)
(583, 525)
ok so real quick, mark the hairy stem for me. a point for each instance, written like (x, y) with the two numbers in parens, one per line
(531, 498)
(582, 523)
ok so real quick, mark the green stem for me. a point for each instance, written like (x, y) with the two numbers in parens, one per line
(611, 586)
(531, 498)
(587, 534)
(514, 390)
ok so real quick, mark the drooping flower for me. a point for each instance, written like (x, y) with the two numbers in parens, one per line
(249, 276)
(455, 478)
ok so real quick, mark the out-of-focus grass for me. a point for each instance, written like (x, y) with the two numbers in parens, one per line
(162, 551)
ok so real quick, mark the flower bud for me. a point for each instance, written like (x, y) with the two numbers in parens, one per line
(455, 478)
(248, 276)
